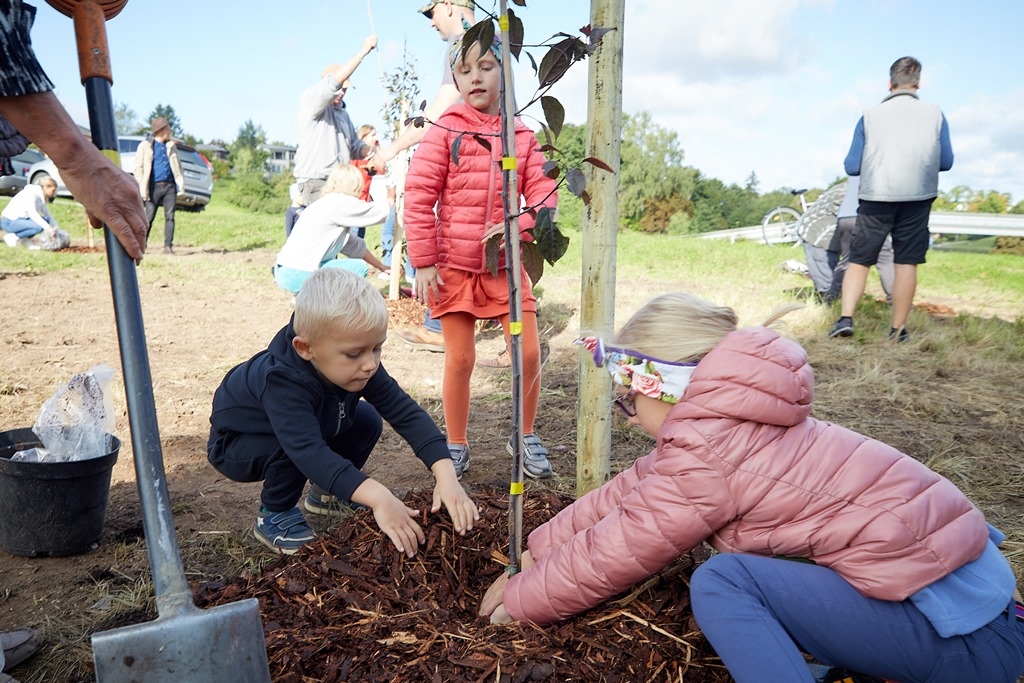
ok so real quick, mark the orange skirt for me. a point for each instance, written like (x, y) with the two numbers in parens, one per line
(482, 295)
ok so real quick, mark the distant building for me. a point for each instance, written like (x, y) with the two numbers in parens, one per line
(213, 151)
(281, 159)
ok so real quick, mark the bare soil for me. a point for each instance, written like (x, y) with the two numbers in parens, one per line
(58, 324)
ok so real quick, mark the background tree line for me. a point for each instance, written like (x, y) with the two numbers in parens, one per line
(658, 193)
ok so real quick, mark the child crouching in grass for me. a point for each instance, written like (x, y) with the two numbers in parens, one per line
(310, 407)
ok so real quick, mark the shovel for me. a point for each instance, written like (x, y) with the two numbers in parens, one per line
(185, 643)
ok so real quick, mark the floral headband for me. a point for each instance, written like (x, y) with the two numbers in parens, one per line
(456, 52)
(660, 379)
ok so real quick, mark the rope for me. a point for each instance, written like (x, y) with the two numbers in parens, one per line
(380, 63)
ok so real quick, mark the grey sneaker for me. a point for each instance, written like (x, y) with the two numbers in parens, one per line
(320, 502)
(842, 328)
(19, 645)
(283, 532)
(535, 457)
(460, 458)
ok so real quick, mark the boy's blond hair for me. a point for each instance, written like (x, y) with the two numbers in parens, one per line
(345, 179)
(680, 327)
(332, 294)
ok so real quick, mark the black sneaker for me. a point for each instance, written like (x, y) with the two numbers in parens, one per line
(842, 328)
(900, 336)
(837, 675)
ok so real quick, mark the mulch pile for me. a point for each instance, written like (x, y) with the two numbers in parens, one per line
(348, 607)
(404, 312)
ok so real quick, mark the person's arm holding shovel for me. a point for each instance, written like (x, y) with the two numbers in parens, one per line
(29, 106)
(109, 195)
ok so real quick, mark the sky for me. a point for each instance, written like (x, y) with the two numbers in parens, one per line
(749, 86)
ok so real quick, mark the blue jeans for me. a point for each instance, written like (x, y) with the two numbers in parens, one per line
(22, 227)
(432, 324)
(759, 612)
(387, 238)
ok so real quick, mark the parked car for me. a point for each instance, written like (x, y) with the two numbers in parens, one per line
(13, 184)
(197, 170)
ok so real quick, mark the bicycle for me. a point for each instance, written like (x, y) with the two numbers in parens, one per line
(779, 224)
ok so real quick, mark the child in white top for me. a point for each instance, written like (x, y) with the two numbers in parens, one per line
(324, 230)
(26, 215)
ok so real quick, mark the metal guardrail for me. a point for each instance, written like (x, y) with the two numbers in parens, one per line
(776, 234)
(940, 222)
(988, 224)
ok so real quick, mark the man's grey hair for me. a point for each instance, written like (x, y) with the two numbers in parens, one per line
(905, 72)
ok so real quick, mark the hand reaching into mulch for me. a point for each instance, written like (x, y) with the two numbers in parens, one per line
(493, 603)
(449, 492)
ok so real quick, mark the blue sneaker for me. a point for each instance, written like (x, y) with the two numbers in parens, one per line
(320, 502)
(460, 458)
(535, 457)
(283, 532)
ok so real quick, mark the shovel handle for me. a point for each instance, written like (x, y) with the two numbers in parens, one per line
(169, 582)
(91, 37)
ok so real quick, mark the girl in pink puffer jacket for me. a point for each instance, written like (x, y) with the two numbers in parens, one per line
(901, 576)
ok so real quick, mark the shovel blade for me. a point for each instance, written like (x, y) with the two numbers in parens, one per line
(217, 645)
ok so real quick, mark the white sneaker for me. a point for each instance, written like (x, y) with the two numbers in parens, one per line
(11, 239)
(383, 276)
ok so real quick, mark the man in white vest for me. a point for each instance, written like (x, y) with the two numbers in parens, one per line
(898, 149)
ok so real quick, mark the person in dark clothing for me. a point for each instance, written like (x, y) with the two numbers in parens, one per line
(292, 213)
(310, 407)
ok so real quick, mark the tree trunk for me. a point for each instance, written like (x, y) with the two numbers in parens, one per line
(600, 227)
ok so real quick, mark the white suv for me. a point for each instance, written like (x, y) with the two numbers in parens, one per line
(197, 171)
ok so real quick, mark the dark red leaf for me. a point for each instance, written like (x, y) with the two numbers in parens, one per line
(594, 161)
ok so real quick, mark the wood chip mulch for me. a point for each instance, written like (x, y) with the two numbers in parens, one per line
(348, 607)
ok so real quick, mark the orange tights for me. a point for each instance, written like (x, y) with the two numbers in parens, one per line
(459, 330)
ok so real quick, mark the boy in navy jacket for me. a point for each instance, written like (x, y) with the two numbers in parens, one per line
(293, 413)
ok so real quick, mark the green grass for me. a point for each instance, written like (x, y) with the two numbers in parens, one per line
(744, 275)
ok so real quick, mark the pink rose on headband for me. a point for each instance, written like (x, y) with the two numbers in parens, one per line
(648, 385)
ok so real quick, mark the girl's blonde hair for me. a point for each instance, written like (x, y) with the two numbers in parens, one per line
(682, 327)
(332, 294)
(344, 179)
(365, 130)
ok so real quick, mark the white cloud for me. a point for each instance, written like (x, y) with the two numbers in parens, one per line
(988, 143)
(705, 40)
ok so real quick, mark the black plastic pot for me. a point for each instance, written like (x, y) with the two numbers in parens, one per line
(51, 508)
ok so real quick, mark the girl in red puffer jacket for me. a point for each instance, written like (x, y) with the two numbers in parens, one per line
(447, 248)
